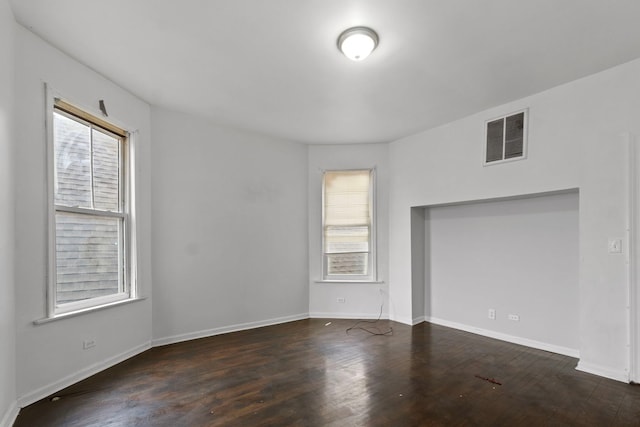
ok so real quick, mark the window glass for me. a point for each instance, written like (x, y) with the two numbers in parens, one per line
(87, 257)
(106, 171)
(347, 213)
(72, 144)
(90, 218)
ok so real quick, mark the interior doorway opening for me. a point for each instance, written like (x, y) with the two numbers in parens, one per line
(504, 268)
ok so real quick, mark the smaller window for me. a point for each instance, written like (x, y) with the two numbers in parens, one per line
(506, 138)
(348, 225)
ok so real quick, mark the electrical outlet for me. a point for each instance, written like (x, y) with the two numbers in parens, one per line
(615, 246)
(492, 313)
(341, 300)
(87, 344)
(514, 317)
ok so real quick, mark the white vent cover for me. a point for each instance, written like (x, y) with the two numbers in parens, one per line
(506, 138)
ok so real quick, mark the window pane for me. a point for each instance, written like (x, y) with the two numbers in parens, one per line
(106, 171)
(514, 138)
(346, 239)
(495, 133)
(347, 264)
(72, 147)
(346, 198)
(87, 254)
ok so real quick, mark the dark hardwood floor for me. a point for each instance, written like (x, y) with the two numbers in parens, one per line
(307, 373)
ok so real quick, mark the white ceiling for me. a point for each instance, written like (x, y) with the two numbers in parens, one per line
(272, 66)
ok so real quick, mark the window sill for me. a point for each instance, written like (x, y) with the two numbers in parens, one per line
(366, 282)
(85, 310)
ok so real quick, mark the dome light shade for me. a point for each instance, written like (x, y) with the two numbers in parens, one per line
(357, 43)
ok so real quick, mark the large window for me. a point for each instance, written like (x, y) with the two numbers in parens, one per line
(348, 225)
(89, 258)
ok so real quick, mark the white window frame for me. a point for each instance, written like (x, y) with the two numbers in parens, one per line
(525, 131)
(372, 275)
(127, 251)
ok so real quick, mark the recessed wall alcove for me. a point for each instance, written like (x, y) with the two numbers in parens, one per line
(518, 256)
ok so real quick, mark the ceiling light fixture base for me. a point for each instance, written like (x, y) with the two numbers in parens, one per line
(357, 43)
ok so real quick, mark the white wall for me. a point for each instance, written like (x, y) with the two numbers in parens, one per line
(574, 142)
(50, 356)
(236, 222)
(7, 239)
(362, 300)
(230, 228)
(515, 256)
(604, 287)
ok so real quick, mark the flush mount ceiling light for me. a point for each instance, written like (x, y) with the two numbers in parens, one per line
(357, 43)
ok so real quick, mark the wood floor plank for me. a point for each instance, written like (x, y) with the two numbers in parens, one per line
(308, 373)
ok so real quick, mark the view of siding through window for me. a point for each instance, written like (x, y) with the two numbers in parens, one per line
(505, 138)
(347, 222)
(87, 175)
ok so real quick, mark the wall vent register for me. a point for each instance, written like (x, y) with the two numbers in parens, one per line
(506, 138)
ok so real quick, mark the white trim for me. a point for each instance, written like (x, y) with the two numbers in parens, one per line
(10, 415)
(82, 374)
(42, 392)
(603, 371)
(506, 337)
(402, 319)
(91, 309)
(418, 320)
(90, 303)
(366, 282)
(50, 294)
(130, 209)
(633, 239)
(334, 315)
(95, 368)
(226, 329)
(93, 212)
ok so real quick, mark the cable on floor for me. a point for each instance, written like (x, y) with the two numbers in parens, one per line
(377, 330)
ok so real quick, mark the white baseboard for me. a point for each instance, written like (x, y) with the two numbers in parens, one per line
(603, 371)
(401, 319)
(506, 337)
(48, 389)
(334, 315)
(10, 416)
(226, 329)
(417, 320)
